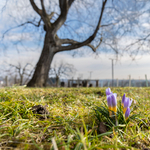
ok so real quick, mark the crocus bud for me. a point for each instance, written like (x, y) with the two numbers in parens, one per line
(127, 113)
(127, 103)
(108, 91)
(114, 102)
(123, 99)
(109, 102)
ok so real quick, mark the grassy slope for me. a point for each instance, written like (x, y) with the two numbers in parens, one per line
(72, 120)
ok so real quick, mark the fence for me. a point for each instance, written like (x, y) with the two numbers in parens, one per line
(90, 83)
(105, 83)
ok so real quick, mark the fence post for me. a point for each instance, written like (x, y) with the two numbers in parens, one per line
(129, 80)
(117, 83)
(72, 83)
(101, 83)
(134, 83)
(6, 80)
(146, 80)
(108, 83)
(87, 82)
(77, 82)
(96, 83)
(68, 83)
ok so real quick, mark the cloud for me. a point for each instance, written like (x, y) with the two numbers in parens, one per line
(18, 37)
(101, 67)
(146, 25)
(23, 57)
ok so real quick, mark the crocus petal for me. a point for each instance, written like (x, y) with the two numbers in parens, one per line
(130, 102)
(109, 101)
(126, 102)
(124, 110)
(114, 109)
(115, 94)
(110, 108)
(114, 100)
(123, 99)
(127, 113)
(108, 91)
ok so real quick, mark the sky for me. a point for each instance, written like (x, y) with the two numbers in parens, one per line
(100, 66)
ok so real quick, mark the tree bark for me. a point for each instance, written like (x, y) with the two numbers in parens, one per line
(40, 76)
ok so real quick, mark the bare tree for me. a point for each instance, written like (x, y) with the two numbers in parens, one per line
(52, 43)
(22, 73)
(61, 70)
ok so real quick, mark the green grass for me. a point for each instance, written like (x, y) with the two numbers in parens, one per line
(72, 122)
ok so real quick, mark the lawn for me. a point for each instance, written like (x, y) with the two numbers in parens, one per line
(66, 119)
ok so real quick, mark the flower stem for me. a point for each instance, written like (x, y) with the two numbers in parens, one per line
(116, 120)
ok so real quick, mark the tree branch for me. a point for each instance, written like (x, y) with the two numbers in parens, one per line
(136, 42)
(28, 22)
(64, 7)
(51, 15)
(4, 7)
(70, 3)
(43, 8)
(72, 42)
(61, 19)
(95, 48)
(88, 40)
(39, 11)
(110, 45)
(46, 18)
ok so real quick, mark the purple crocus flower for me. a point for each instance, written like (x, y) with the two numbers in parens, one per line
(109, 102)
(127, 113)
(114, 102)
(108, 91)
(123, 99)
(127, 104)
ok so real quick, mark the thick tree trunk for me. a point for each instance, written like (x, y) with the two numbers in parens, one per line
(40, 76)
